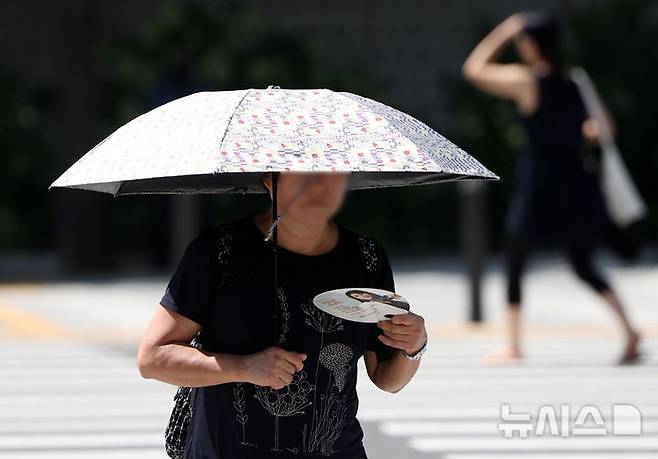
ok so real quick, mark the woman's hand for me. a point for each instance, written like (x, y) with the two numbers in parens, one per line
(513, 24)
(510, 81)
(404, 331)
(274, 367)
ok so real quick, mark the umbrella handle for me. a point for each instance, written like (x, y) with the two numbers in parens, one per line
(276, 218)
(273, 232)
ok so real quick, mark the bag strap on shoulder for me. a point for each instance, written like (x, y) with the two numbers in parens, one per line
(226, 238)
(370, 258)
(224, 250)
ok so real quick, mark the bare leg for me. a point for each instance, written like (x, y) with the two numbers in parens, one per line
(510, 352)
(514, 330)
(516, 255)
(581, 260)
(630, 353)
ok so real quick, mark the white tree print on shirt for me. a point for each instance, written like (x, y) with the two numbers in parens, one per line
(330, 413)
(284, 314)
(336, 358)
(320, 320)
(329, 417)
(272, 400)
(329, 408)
(289, 401)
(324, 323)
(293, 398)
(241, 416)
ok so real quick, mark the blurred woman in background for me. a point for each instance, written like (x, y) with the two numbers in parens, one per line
(557, 198)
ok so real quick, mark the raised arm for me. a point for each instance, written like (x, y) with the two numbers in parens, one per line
(509, 81)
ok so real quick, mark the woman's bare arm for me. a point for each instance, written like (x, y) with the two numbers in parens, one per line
(405, 331)
(509, 81)
(165, 355)
(390, 375)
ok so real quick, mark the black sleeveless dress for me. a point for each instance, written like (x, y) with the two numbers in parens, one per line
(558, 199)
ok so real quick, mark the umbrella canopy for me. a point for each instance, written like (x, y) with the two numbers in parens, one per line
(222, 141)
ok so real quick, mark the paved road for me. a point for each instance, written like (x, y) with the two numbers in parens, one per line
(452, 409)
(69, 387)
(64, 400)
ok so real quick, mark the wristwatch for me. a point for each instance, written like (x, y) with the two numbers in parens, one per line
(417, 355)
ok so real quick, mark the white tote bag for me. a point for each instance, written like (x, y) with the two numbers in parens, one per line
(623, 201)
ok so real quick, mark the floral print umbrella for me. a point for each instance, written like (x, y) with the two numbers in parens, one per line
(221, 141)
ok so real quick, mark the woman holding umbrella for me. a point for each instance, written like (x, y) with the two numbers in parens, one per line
(557, 199)
(296, 398)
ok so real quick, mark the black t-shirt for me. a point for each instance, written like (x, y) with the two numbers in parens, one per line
(224, 282)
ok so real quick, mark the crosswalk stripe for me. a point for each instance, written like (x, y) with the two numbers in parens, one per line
(452, 406)
(133, 453)
(81, 440)
(558, 455)
(104, 424)
(511, 445)
(90, 402)
(470, 427)
(70, 401)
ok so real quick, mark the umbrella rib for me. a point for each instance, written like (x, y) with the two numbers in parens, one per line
(230, 120)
